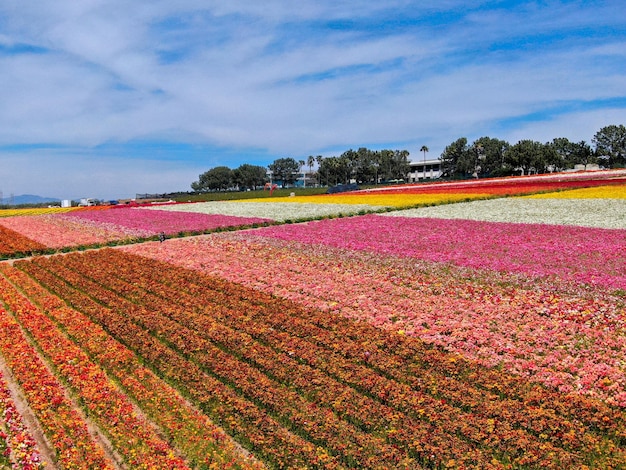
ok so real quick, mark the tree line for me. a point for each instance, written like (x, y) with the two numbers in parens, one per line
(485, 157)
(364, 166)
(494, 157)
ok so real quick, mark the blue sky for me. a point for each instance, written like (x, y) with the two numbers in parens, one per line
(110, 98)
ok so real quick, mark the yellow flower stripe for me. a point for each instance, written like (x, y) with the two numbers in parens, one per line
(379, 199)
(599, 192)
(34, 211)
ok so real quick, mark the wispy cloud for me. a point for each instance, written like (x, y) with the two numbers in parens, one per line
(84, 84)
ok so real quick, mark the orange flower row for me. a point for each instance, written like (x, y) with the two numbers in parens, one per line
(192, 432)
(131, 435)
(65, 429)
(252, 426)
(13, 243)
(361, 394)
(282, 327)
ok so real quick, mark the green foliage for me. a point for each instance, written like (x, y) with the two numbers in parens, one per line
(454, 158)
(485, 157)
(216, 179)
(610, 143)
(490, 155)
(529, 156)
(570, 154)
(364, 166)
(285, 170)
(249, 176)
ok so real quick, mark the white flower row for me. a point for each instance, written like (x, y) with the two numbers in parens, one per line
(601, 213)
(278, 211)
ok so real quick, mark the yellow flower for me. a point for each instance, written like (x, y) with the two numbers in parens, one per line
(599, 192)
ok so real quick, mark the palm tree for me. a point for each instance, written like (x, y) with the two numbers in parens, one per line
(301, 163)
(319, 159)
(424, 149)
(310, 161)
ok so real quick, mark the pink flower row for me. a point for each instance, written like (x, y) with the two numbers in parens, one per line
(574, 342)
(103, 226)
(155, 221)
(586, 255)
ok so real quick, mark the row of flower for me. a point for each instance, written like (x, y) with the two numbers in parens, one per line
(64, 426)
(601, 213)
(241, 417)
(566, 253)
(300, 387)
(440, 193)
(204, 444)
(34, 211)
(560, 333)
(610, 191)
(66, 228)
(134, 440)
(12, 242)
(515, 185)
(18, 448)
(85, 228)
(603, 207)
(280, 210)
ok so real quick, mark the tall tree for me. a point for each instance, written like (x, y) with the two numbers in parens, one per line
(400, 164)
(310, 161)
(491, 157)
(610, 143)
(285, 170)
(454, 158)
(531, 157)
(301, 163)
(319, 159)
(328, 171)
(249, 176)
(425, 150)
(366, 169)
(215, 179)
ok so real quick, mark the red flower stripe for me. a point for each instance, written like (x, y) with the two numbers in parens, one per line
(501, 187)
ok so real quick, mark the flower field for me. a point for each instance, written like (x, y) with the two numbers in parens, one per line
(601, 206)
(35, 211)
(394, 339)
(92, 227)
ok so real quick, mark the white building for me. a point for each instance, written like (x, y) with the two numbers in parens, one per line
(424, 169)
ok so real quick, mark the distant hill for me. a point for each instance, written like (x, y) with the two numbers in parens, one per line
(28, 199)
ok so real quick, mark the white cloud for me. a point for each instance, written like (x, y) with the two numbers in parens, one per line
(298, 81)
